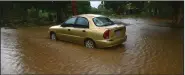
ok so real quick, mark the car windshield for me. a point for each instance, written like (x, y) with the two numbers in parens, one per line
(102, 21)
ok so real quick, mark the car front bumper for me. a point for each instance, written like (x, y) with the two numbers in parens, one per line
(108, 43)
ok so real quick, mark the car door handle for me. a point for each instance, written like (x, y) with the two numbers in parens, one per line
(69, 29)
(83, 31)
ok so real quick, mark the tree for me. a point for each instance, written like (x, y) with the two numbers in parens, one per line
(83, 7)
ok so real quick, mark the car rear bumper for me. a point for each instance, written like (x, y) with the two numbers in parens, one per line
(108, 43)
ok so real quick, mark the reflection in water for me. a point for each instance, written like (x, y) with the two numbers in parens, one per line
(149, 49)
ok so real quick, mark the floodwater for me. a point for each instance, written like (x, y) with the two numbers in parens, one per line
(149, 49)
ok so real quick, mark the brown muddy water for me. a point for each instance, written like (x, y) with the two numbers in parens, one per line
(149, 49)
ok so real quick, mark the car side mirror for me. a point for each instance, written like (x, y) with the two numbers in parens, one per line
(62, 24)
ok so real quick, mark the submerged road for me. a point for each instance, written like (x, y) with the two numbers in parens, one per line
(149, 49)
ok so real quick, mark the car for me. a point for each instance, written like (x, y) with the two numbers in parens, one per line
(90, 30)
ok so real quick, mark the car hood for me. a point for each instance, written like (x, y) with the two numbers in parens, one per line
(55, 26)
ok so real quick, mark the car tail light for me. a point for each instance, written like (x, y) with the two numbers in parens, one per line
(106, 34)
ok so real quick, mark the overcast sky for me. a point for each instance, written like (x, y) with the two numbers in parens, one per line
(95, 3)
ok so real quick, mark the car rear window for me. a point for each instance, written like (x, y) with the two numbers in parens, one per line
(102, 21)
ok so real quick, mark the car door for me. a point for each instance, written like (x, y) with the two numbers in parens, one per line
(80, 29)
(64, 31)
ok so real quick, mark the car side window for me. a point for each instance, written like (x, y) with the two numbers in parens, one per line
(70, 21)
(82, 23)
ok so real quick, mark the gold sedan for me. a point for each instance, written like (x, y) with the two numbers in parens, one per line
(91, 30)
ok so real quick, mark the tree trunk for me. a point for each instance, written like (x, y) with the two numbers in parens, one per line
(178, 14)
(60, 15)
(179, 18)
(155, 11)
(25, 15)
(1, 15)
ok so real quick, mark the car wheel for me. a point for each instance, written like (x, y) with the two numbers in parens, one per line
(53, 36)
(89, 43)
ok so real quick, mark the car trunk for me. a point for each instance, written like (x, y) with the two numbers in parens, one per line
(116, 31)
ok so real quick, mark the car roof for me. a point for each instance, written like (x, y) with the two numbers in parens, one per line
(90, 15)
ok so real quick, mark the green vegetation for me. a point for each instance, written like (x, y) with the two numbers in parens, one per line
(172, 10)
(29, 13)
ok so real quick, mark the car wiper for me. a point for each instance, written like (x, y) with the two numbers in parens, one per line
(105, 25)
(109, 24)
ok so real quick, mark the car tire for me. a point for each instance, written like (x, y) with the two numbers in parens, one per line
(53, 36)
(89, 43)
